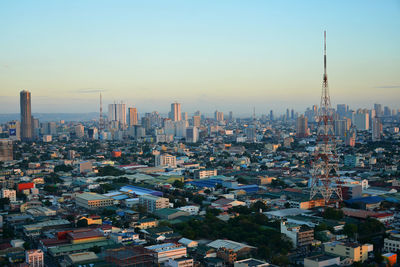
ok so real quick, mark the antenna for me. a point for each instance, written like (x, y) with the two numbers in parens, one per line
(325, 180)
(101, 115)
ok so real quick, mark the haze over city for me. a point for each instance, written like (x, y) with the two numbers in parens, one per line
(207, 55)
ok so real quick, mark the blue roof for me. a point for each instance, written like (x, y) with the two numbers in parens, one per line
(365, 200)
(210, 183)
(140, 190)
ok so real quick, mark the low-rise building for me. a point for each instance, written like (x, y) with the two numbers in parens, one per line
(9, 193)
(205, 173)
(392, 243)
(301, 235)
(181, 262)
(354, 251)
(164, 252)
(322, 260)
(34, 257)
(93, 201)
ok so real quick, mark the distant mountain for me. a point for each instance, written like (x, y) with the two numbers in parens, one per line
(53, 116)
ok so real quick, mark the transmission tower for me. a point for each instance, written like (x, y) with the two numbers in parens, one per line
(325, 178)
(101, 122)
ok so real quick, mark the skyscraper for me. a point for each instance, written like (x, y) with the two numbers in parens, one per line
(376, 129)
(117, 112)
(26, 116)
(218, 115)
(302, 126)
(175, 114)
(133, 116)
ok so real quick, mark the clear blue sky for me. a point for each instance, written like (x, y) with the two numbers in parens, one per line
(208, 55)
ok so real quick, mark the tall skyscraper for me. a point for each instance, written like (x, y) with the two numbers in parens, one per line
(302, 127)
(133, 116)
(175, 114)
(26, 116)
(218, 115)
(117, 112)
(185, 116)
(376, 129)
(341, 110)
(378, 110)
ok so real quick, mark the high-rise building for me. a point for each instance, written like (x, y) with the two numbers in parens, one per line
(14, 130)
(342, 110)
(26, 116)
(287, 114)
(6, 150)
(378, 110)
(196, 121)
(341, 128)
(302, 127)
(79, 131)
(117, 112)
(387, 112)
(218, 115)
(192, 134)
(292, 114)
(361, 121)
(271, 115)
(175, 114)
(185, 116)
(376, 129)
(133, 116)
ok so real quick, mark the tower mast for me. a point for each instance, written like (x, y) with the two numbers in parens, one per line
(101, 126)
(325, 178)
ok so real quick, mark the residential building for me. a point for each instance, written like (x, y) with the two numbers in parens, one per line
(9, 193)
(34, 257)
(133, 116)
(164, 252)
(322, 260)
(181, 262)
(165, 160)
(153, 203)
(6, 150)
(205, 173)
(301, 235)
(302, 126)
(175, 114)
(250, 262)
(392, 243)
(93, 201)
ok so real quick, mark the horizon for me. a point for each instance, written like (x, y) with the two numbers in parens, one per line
(228, 56)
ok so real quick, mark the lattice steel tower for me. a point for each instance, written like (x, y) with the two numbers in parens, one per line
(325, 178)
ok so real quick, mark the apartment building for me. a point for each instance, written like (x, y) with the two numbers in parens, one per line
(204, 173)
(9, 193)
(301, 235)
(34, 258)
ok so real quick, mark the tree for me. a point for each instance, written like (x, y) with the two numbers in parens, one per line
(63, 168)
(333, 214)
(178, 184)
(4, 202)
(82, 223)
(350, 230)
(95, 249)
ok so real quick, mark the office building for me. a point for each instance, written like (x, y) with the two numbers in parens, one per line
(117, 112)
(378, 110)
(34, 258)
(165, 160)
(185, 116)
(361, 121)
(133, 116)
(14, 130)
(6, 150)
(175, 113)
(342, 110)
(92, 201)
(26, 116)
(376, 129)
(302, 126)
(192, 134)
(153, 203)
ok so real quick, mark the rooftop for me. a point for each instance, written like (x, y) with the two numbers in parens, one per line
(91, 196)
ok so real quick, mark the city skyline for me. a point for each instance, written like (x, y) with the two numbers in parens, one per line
(150, 57)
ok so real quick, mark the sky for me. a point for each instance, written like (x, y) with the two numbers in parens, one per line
(225, 55)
